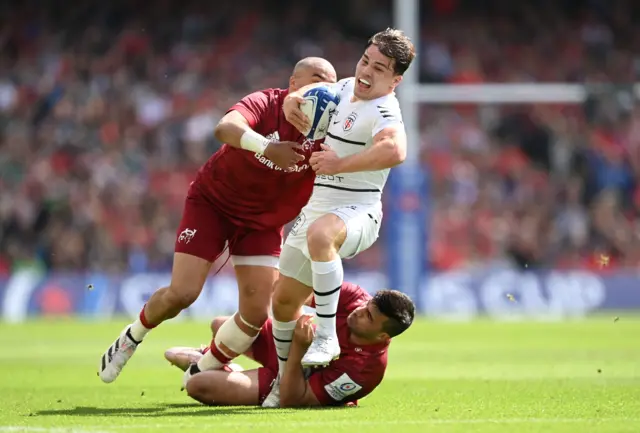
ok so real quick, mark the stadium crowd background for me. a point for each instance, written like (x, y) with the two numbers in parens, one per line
(107, 110)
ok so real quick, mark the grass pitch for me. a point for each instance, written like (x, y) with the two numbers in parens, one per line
(575, 377)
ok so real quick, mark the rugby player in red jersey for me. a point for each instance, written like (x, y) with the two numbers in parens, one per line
(365, 326)
(241, 197)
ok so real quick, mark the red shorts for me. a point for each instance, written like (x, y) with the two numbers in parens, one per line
(204, 231)
(263, 351)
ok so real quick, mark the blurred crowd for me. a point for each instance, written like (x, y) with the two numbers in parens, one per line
(107, 110)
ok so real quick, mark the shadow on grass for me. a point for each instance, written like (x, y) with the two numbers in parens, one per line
(165, 410)
(150, 411)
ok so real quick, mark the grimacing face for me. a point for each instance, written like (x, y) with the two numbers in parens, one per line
(375, 76)
(367, 322)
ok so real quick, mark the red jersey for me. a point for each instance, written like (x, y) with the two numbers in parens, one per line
(247, 187)
(360, 369)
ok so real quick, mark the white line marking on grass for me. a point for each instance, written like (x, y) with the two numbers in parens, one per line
(281, 422)
(89, 429)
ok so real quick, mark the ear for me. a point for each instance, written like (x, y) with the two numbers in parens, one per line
(397, 80)
(292, 84)
(383, 337)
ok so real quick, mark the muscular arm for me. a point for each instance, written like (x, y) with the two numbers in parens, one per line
(231, 128)
(295, 390)
(389, 150)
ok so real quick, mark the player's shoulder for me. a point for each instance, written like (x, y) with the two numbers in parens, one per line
(276, 93)
(387, 106)
(271, 94)
(351, 294)
(344, 86)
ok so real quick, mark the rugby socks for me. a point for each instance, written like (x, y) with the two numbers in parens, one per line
(327, 282)
(282, 337)
(140, 327)
(232, 337)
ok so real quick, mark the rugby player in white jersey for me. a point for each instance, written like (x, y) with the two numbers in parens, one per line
(365, 139)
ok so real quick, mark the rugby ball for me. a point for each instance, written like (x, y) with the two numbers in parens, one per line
(319, 105)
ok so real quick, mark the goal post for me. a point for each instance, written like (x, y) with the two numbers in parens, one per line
(407, 197)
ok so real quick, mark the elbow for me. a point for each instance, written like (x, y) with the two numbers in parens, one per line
(220, 130)
(398, 156)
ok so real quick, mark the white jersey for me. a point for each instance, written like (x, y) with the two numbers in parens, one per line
(352, 128)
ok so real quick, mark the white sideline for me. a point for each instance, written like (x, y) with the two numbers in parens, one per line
(219, 424)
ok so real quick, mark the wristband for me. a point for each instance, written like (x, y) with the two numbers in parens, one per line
(253, 141)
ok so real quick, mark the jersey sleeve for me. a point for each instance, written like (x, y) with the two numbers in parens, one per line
(343, 381)
(255, 107)
(343, 86)
(388, 116)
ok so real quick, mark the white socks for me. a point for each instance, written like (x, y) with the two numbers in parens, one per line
(138, 330)
(327, 282)
(282, 337)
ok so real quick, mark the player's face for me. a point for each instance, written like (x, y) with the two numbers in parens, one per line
(367, 322)
(311, 75)
(374, 75)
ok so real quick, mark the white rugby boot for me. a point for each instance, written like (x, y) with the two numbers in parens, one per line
(272, 400)
(322, 351)
(117, 355)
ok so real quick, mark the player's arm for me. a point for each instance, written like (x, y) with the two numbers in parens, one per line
(295, 390)
(240, 126)
(235, 130)
(389, 149)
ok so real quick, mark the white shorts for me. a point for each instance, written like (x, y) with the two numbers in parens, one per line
(363, 228)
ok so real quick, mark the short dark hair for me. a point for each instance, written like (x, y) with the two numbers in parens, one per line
(399, 309)
(395, 45)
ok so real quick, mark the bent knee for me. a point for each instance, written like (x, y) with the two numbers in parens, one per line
(255, 302)
(217, 323)
(320, 238)
(287, 301)
(254, 314)
(257, 291)
(326, 233)
(197, 389)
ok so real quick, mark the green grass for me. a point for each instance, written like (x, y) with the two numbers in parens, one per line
(577, 377)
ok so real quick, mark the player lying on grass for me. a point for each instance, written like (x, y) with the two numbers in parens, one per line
(240, 199)
(365, 326)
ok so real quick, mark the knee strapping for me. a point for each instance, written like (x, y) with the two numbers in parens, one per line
(233, 337)
(247, 324)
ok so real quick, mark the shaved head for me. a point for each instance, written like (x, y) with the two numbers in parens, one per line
(311, 70)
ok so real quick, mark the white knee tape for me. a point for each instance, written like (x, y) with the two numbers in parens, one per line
(232, 337)
(247, 324)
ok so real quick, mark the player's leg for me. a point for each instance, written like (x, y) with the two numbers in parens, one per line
(183, 356)
(200, 239)
(292, 289)
(209, 386)
(342, 233)
(255, 258)
(223, 388)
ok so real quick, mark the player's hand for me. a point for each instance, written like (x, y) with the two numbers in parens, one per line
(293, 113)
(304, 332)
(284, 154)
(325, 161)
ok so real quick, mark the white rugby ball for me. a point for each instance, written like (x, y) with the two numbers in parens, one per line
(319, 105)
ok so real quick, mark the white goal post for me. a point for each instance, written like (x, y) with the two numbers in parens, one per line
(407, 235)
